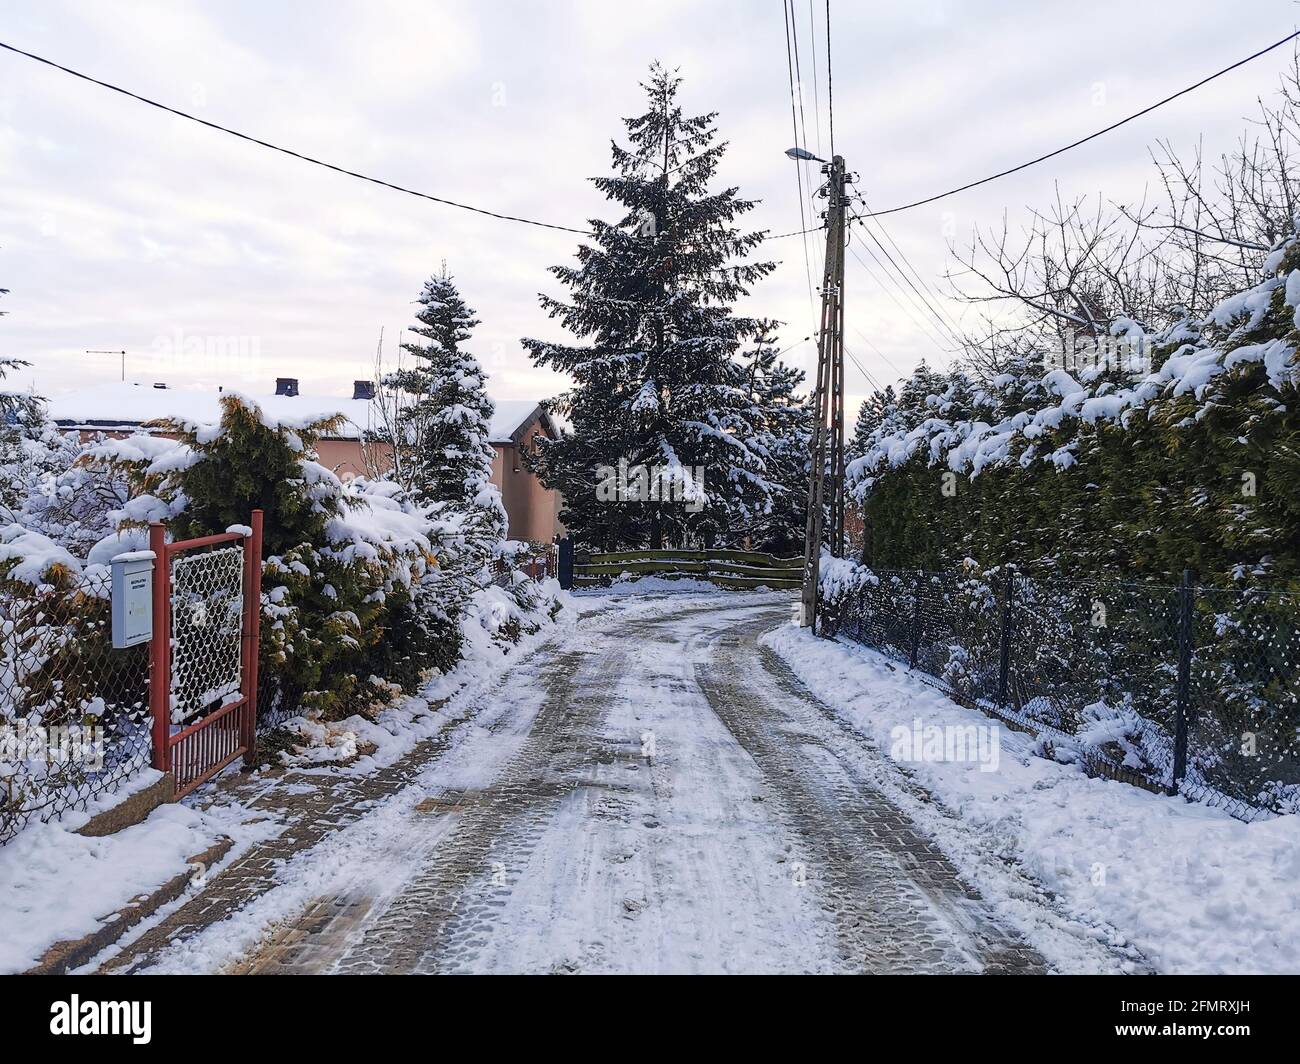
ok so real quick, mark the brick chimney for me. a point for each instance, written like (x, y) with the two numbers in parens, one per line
(286, 385)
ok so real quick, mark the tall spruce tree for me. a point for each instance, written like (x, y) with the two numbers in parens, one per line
(650, 305)
(443, 425)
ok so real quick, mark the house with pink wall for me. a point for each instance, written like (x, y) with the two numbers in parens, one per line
(123, 409)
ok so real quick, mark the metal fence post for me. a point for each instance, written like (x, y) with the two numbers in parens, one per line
(1182, 708)
(1004, 651)
(160, 649)
(566, 563)
(914, 652)
(252, 636)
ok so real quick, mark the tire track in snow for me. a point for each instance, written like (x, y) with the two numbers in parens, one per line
(585, 855)
(754, 839)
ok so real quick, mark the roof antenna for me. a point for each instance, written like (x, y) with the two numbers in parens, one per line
(122, 353)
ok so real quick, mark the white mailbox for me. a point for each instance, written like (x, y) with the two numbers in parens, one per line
(133, 598)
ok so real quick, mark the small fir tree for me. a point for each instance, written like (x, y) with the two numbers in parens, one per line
(443, 428)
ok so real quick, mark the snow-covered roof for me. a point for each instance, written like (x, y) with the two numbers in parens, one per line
(511, 416)
(125, 406)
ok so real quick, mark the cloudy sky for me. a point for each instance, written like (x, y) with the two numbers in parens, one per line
(211, 261)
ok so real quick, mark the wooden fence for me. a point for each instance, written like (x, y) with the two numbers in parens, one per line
(738, 570)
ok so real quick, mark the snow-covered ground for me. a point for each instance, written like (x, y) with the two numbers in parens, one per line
(648, 794)
(56, 885)
(682, 781)
(646, 848)
(1193, 889)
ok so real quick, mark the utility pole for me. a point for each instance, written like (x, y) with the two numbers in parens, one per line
(122, 353)
(826, 485)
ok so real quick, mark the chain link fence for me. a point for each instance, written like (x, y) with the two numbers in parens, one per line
(74, 712)
(1172, 688)
(75, 721)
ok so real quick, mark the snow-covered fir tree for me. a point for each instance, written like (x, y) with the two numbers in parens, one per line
(871, 415)
(443, 428)
(777, 424)
(21, 418)
(650, 303)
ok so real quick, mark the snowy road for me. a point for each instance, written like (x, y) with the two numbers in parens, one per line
(656, 793)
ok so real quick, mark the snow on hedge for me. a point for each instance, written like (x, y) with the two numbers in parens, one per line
(31, 558)
(971, 444)
(840, 577)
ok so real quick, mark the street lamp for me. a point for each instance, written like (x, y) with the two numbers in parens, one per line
(802, 155)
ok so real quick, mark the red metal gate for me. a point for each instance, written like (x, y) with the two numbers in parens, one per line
(203, 658)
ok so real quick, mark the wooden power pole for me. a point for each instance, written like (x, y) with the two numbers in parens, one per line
(826, 470)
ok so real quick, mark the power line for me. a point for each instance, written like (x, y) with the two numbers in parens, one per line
(946, 329)
(1077, 143)
(798, 72)
(817, 107)
(920, 324)
(863, 369)
(883, 357)
(1041, 158)
(288, 151)
(320, 162)
(794, 232)
(953, 326)
(790, 65)
(830, 91)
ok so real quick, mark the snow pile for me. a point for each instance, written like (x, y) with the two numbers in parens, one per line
(322, 742)
(1193, 889)
(497, 619)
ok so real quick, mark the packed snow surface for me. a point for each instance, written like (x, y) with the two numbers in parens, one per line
(1195, 890)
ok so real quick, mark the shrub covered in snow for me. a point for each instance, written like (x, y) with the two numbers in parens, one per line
(358, 601)
(344, 565)
(69, 498)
